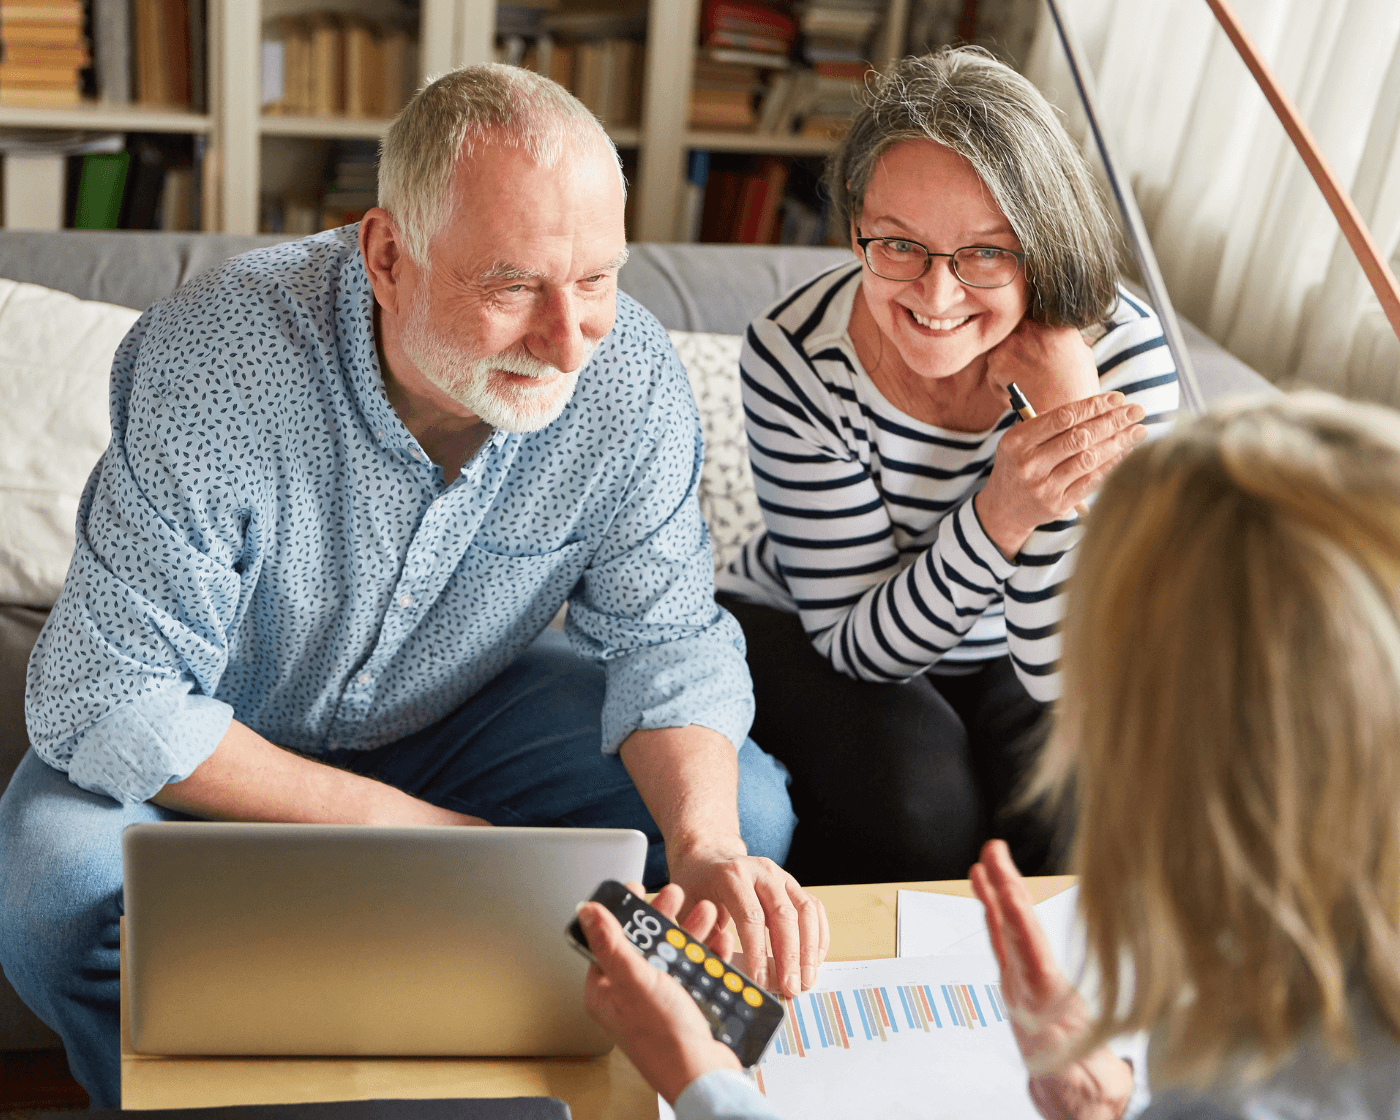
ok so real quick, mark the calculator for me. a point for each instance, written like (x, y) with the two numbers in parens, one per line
(740, 1013)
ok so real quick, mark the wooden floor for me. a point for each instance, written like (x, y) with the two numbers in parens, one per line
(33, 1082)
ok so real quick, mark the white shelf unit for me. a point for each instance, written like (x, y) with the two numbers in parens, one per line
(451, 33)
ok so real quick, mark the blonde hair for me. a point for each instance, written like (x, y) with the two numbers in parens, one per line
(454, 113)
(964, 99)
(1231, 732)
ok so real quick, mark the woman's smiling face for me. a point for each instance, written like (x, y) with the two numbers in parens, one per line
(930, 194)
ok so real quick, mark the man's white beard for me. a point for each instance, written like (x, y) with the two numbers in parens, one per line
(473, 382)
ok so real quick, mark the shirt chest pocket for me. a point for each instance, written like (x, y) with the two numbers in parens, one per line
(524, 588)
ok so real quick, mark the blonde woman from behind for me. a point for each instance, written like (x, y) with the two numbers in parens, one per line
(1230, 735)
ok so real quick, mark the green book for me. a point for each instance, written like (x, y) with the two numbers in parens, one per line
(100, 190)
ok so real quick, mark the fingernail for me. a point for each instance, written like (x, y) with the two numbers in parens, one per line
(1115, 397)
(809, 976)
(1139, 434)
(578, 909)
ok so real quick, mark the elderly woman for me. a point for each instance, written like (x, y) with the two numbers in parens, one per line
(1229, 730)
(902, 605)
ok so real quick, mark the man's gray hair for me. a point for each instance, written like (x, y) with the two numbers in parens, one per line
(450, 117)
(966, 100)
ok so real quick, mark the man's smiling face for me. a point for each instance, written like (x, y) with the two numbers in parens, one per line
(522, 284)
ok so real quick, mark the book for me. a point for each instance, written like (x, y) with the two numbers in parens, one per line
(750, 58)
(69, 12)
(364, 68)
(718, 108)
(177, 199)
(152, 80)
(176, 25)
(294, 33)
(762, 191)
(327, 64)
(757, 19)
(45, 57)
(100, 190)
(39, 97)
(399, 78)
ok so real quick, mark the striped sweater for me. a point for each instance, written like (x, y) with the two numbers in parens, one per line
(870, 535)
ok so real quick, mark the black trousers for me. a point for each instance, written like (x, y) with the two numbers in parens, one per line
(894, 782)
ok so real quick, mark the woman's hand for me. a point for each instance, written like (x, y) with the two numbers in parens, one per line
(650, 1015)
(1053, 365)
(1047, 1013)
(1046, 466)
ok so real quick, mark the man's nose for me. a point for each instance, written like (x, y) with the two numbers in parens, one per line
(558, 337)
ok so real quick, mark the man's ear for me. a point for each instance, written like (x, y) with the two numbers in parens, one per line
(385, 257)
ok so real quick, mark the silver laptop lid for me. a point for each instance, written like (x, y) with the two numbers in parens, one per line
(345, 940)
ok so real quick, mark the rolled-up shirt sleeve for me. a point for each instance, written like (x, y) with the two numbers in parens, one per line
(121, 682)
(646, 604)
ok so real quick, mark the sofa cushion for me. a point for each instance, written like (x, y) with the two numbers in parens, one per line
(726, 483)
(55, 359)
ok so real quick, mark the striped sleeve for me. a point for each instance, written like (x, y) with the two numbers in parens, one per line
(1132, 357)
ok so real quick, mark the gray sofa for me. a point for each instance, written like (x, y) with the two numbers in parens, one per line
(703, 288)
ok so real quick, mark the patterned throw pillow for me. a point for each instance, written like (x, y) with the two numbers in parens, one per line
(726, 484)
(55, 361)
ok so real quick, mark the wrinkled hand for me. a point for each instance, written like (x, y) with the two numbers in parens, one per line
(1052, 365)
(759, 895)
(1047, 1013)
(650, 1015)
(1046, 466)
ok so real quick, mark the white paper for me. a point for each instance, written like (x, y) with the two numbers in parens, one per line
(929, 923)
(922, 1037)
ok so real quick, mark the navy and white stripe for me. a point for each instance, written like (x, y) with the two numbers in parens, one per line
(870, 531)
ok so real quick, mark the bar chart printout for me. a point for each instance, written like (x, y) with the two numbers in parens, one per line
(924, 1037)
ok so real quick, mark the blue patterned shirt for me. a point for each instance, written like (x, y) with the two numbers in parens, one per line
(264, 540)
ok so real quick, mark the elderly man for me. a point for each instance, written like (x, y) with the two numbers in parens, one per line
(351, 479)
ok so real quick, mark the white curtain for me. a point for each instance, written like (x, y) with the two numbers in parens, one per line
(1249, 248)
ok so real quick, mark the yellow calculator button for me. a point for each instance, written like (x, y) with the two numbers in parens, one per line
(714, 967)
(753, 997)
(694, 952)
(733, 981)
(676, 938)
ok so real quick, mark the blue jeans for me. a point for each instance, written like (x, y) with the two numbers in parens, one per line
(524, 750)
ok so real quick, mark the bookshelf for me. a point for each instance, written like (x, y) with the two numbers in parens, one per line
(451, 33)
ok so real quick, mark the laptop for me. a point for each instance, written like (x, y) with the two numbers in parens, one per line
(336, 940)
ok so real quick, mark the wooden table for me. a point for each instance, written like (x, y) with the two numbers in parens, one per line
(607, 1088)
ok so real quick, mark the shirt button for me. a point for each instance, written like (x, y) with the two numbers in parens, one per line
(365, 678)
(405, 600)
(416, 453)
(378, 433)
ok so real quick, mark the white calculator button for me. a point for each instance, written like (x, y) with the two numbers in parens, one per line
(657, 963)
(666, 952)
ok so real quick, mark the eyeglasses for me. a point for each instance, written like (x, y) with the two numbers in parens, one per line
(977, 266)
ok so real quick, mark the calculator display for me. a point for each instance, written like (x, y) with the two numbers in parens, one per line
(740, 1013)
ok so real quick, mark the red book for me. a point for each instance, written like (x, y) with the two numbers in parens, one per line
(755, 19)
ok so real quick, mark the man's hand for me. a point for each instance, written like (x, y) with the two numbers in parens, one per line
(1047, 1013)
(650, 1015)
(689, 779)
(759, 895)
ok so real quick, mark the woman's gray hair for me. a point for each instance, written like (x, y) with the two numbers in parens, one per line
(966, 100)
(453, 114)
